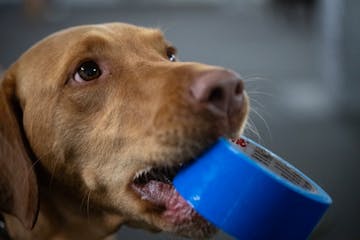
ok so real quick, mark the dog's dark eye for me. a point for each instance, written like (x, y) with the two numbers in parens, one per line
(87, 71)
(171, 55)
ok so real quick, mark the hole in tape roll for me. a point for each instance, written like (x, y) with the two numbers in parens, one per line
(272, 163)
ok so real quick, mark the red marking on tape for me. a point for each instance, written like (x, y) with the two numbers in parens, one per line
(241, 142)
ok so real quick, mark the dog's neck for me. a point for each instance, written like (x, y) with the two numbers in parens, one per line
(63, 216)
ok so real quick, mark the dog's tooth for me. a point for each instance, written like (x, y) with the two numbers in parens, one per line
(164, 174)
(137, 175)
(146, 170)
(142, 172)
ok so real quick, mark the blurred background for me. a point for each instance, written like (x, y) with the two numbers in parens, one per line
(299, 58)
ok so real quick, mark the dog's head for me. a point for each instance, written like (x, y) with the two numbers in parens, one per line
(107, 110)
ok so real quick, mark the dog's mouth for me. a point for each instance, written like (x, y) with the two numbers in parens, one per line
(154, 185)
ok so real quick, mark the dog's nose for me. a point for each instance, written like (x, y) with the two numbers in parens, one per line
(219, 90)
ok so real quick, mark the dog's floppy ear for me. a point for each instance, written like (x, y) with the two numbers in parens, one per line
(18, 184)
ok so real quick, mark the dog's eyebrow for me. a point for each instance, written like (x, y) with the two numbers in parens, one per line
(93, 41)
(157, 34)
(161, 43)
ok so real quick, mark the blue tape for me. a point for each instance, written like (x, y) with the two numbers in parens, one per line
(252, 194)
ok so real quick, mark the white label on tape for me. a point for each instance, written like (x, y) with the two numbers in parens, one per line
(273, 163)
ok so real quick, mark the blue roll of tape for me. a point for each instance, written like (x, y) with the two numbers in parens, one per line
(252, 194)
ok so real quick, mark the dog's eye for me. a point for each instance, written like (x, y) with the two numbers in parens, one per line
(87, 71)
(171, 55)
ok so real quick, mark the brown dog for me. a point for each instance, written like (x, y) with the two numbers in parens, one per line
(94, 123)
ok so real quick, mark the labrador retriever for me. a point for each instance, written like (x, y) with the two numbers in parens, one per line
(95, 122)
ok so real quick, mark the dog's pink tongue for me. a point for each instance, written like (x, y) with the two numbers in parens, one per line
(177, 210)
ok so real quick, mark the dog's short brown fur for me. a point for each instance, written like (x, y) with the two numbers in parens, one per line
(69, 150)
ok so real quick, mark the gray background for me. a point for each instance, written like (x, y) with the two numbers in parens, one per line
(300, 60)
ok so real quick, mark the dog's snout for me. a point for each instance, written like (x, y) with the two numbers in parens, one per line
(220, 91)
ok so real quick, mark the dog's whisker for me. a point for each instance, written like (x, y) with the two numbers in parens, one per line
(250, 125)
(82, 203)
(263, 119)
(53, 173)
(253, 100)
(260, 93)
(253, 130)
(30, 169)
(254, 79)
(88, 205)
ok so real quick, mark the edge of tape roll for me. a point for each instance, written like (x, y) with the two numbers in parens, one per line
(270, 198)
